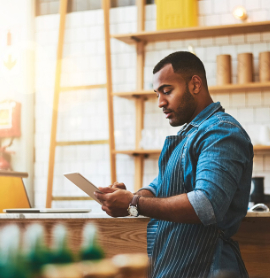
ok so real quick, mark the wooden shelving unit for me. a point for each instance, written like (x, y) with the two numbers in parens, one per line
(142, 37)
(138, 152)
(261, 148)
(256, 148)
(194, 32)
(240, 87)
(213, 89)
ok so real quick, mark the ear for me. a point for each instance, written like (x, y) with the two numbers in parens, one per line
(195, 84)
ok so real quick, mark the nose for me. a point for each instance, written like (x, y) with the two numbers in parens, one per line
(162, 102)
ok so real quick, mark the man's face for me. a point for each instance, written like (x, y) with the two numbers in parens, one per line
(174, 97)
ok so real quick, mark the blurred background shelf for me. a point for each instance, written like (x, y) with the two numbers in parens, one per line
(213, 89)
(138, 151)
(158, 151)
(141, 38)
(194, 32)
(261, 148)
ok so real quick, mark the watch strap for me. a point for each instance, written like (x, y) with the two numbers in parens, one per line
(135, 200)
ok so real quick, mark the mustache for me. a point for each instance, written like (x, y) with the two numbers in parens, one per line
(167, 110)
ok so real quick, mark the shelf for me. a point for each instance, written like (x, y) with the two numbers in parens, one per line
(86, 87)
(240, 87)
(137, 152)
(156, 151)
(136, 94)
(213, 89)
(194, 32)
(261, 148)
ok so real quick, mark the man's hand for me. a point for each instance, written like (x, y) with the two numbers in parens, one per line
(119, 185)
(114, 201)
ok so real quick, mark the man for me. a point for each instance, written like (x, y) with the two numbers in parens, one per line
(201, 193)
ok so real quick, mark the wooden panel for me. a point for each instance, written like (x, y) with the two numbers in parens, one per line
(128, 235)
(124, 236)
(106, 13)
(63, 9)
(116, 235)
(195, 32)
(254, 240)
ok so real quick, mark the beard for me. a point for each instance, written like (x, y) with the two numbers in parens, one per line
(185, 111)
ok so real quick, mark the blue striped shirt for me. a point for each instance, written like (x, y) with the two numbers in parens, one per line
(211, 160)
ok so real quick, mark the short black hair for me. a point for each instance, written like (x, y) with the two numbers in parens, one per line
(185, 63)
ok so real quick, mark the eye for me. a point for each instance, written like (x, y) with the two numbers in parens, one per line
(167, 92)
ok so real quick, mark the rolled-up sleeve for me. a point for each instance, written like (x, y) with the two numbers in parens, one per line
(202, 207)
(224, 151)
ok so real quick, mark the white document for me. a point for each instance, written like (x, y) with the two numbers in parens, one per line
(84, 184)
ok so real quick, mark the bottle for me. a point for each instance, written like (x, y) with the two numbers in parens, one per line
(93, 264)
(90, 249)
(36, 254)
(11, 262)
(60, 253)
(61, 264)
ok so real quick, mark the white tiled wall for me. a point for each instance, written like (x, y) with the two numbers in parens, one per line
(83, 114)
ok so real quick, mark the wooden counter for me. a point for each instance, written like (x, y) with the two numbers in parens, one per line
(128, 235)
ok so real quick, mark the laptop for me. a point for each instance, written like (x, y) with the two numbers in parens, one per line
(11, 202)
(47, 210)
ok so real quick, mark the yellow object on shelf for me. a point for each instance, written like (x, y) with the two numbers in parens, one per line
(172, 14)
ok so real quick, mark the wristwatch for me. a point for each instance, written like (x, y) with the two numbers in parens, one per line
(133, 206)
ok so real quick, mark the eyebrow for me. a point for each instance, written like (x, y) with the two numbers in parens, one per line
(162, 87)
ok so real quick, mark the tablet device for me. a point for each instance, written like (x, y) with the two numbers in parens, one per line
(84, 184)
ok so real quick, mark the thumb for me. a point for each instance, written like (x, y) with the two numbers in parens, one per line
(107, 189)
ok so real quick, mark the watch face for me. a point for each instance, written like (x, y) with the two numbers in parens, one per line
(133, 211)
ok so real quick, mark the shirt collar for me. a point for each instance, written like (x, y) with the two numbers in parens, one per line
(203, 115)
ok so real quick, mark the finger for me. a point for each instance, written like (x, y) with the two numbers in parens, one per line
(103, 208)
(107, 210)
(119, 185)
(112, 185)
(102, 197)
(107, 189)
